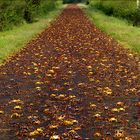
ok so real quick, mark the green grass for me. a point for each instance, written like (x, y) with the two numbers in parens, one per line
(120, 30)
(13, 40)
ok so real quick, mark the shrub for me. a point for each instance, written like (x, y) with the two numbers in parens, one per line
(71, 1)
(45, 7)
(119, 8)
(11, 14)
(15, 12)
(136, 17)
(30, 10)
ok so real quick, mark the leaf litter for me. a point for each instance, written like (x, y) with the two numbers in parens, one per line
(72, 82)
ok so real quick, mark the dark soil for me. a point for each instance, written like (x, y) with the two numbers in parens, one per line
(72, 82)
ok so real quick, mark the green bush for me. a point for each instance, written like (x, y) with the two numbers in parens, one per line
(36, 8)
(15, 12)
(71, 1)
(45, 7)
(30, 11)
(136, 17)
(11, 14)
(120, 8)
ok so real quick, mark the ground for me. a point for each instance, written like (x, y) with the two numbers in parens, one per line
(72, 82)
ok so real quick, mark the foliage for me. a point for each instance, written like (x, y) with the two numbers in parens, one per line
(119, 8)
(45, 7)
(15, 12)
(71, 1)
(136, 17)
(11, 14)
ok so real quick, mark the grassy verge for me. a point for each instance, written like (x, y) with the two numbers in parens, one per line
(119, 29)
(11, 41)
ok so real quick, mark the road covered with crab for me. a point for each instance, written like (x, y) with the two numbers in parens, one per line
(72, 82)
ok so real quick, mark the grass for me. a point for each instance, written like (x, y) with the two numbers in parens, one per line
(119, 29)
(13, 40)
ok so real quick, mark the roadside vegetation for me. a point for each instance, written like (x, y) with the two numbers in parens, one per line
(74, 1)
(126, 9)
(120, 29)
(15, 36)
(17, 12)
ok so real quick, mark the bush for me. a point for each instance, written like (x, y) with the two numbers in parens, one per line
(120, 8)
(136, 17)
(29, 12)
(15, 12)
(71, 1)
(11, 14)
(45, 7)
